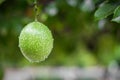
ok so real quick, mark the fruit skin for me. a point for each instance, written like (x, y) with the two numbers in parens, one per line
(35, 41)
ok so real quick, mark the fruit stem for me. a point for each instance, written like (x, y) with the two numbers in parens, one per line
(36, 10)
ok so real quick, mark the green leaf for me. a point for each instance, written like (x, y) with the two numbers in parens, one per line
(104, 11)
(116, 17)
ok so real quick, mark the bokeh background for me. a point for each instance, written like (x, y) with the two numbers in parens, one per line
(79, 40)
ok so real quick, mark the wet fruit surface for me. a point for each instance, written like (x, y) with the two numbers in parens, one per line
(35, 42)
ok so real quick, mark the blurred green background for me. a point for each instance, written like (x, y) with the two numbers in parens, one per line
(79, 40)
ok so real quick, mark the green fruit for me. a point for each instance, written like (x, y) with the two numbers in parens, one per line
(35, 42)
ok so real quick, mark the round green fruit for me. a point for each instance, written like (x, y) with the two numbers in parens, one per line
(35, 42)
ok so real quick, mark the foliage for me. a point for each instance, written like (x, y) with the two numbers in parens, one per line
(116, 16)
(107, 8)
